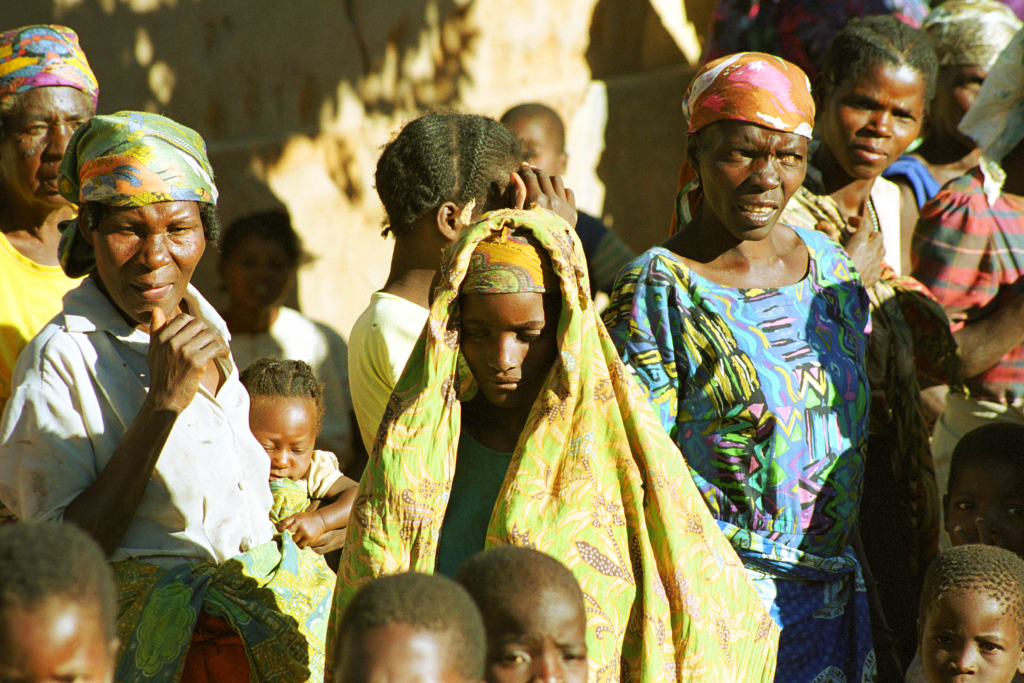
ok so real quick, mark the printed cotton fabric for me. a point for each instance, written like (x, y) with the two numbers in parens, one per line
(44, 56)
(765, 393)
(594, 482)
(274, 596)
(129, 159)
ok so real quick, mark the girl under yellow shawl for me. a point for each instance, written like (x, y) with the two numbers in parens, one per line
(587, 477)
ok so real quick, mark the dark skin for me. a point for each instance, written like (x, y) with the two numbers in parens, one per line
(35, 137)
(415, 260)
(945, 151)
(866, 125)
(745, 170)
(136, 250)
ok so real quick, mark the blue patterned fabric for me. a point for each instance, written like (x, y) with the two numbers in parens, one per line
(766, 394)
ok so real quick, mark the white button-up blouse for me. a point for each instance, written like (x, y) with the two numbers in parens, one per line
(77, 388)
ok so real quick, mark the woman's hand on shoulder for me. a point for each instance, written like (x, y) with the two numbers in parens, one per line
(179, 351)
(866, 249)
(534, 186)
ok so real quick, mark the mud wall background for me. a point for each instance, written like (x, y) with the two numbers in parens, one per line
(295, 99)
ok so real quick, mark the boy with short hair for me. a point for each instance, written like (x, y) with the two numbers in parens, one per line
(985, 501)
(971, 620)
(419, 628)
(534, 615)
(57, 605)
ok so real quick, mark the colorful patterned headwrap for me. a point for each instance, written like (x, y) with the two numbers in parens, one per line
(968, 32)
(509, 263)
(750, 86)
(130, 159)
(41, 56)
(996, 119)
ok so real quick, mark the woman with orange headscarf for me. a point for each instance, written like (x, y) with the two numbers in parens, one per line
(748, 338)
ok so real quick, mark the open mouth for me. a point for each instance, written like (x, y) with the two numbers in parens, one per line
(758, 214)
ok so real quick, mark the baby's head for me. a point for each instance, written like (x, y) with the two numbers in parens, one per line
(985, 502)
(533, 612)
(542, 132)
(971, 619)
(57, 605)
(286, 411)
(417, 628)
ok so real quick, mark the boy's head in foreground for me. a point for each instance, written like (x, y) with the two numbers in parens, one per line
(411, 628)
(985, 501)
(971, 619)
(534, 615)
(57, 606)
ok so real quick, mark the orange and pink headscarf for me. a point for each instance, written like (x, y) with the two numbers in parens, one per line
(44, 55)
(752, 87)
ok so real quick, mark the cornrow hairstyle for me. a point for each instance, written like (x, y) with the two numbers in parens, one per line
(40, 561)
(441, 158)
(499, 578)
(535, 110)
(428, 602)
(995, 571)
(91, 213)
(274, 225)
(994, 443)
(880, 40)
(268, 378)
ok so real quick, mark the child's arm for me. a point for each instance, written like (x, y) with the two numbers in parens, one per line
(308, 527)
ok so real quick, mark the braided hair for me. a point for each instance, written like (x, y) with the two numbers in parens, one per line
(269, 378)
(994, 571)
(880, 40)
(441, 158)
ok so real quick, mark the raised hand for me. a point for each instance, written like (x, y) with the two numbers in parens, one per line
(867, 249)
(534, 186)
(179, 351)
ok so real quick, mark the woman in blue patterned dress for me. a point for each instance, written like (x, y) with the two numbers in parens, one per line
(748, 337)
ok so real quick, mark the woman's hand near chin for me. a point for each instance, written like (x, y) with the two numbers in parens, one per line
(180, 350)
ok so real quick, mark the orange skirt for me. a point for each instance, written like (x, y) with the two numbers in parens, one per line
(216, 654)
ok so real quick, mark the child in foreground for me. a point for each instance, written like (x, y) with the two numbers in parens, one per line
(985, 501)
(971, 620)
(57, 606)
(411, 627)
(534, 615)
(286, 408)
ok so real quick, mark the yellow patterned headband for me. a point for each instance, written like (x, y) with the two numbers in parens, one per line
(509, 263)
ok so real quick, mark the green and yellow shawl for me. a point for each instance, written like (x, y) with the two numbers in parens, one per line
(594, 481)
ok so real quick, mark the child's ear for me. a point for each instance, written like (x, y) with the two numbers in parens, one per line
(1020, 660)
(449, 221)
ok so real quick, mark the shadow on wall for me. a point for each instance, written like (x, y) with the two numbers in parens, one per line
(250, 75)
(646, 75)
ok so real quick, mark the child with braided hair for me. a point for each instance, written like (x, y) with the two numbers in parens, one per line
(286, 411)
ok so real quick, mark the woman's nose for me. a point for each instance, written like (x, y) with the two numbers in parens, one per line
(155, 252)
(507, 354)
(765, 173)
(548, 668)
(57, 143)
(881, 123)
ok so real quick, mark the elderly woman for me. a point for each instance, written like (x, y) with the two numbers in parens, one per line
(969, 251)
(967, 36)
(47, 90)
(128, 420)
(515, 423)
(748, 338)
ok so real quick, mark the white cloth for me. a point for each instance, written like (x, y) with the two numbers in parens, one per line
(885, 195)
(378, 348)
(78, 387)
(322, 474)
(293, 336)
